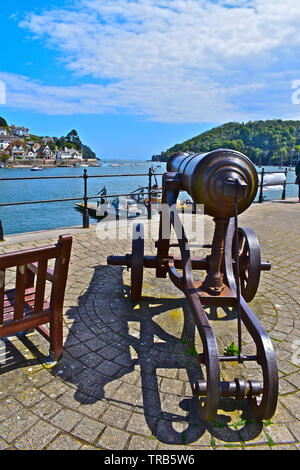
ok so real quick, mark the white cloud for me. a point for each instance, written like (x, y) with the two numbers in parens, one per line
(170, 60)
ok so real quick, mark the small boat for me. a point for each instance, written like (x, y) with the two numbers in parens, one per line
(36, 168)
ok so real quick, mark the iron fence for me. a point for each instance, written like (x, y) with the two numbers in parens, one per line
(86, 198)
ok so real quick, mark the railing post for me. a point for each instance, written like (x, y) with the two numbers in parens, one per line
(86, 220)
(118, 209)
(1, 232)
(149, 208)
(260, 199)
(284, 185)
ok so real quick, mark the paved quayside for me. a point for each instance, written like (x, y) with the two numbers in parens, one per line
(124, 381)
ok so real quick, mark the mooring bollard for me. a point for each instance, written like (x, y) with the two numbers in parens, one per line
(261, 197)
(1, 232)
(284, 186)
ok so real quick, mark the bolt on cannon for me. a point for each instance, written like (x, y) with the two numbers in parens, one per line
(225, 182)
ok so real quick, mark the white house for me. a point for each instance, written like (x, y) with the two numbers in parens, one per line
(68, 154)
(29, 154)
(4, 144)
(3, 131)
(17, 151)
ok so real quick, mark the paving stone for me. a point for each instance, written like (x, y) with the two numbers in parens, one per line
(116, 416)
(88, 429)
(37, 438)
(65, 442)
(280, 433)
(172, 386)
(140, 424)
(66, 419)
(15, 425)
(138, 443)
(114, 439)
(8, 406)
(46, 408)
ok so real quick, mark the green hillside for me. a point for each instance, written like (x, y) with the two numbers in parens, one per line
(264, 142)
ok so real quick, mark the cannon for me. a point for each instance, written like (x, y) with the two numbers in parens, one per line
(225, 183)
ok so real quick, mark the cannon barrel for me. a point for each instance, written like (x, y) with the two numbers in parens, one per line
(216, 178)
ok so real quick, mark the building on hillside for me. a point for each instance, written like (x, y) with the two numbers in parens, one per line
(4, 144)
(47, 140)
(16, 150)
(29, 154)
(44, 152)
(68, 154)
(3, 131)
(33, 146)
(19, 131)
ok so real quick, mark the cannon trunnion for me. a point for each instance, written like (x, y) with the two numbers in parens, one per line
(225, 182)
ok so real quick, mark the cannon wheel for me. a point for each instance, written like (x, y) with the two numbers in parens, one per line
(137, 261)
(249, 262)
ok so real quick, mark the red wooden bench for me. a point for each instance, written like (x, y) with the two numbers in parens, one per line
(25, 307)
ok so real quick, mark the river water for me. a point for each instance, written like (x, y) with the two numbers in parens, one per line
(32, 217)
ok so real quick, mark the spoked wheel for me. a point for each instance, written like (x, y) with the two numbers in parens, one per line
(249, 262)
(137, 261)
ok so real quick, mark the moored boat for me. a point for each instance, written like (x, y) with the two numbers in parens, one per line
(36, 168)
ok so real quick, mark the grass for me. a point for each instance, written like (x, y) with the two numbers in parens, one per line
(231, 350)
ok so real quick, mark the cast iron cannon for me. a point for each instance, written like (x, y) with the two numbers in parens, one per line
(225, 183)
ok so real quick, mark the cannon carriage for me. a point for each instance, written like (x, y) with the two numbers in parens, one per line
(225, 183)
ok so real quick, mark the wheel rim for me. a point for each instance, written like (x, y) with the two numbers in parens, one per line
(249, 262)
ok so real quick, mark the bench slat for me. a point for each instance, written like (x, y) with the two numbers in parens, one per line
(28, 322)
(40, 286)
(2, 294)
(20, 292)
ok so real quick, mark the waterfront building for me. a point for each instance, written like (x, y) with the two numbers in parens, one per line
(44, 152)
(68, 154)
(16, 150)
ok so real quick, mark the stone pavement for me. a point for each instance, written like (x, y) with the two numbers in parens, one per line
(124, 382)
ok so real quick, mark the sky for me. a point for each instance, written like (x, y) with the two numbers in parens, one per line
(135, 77)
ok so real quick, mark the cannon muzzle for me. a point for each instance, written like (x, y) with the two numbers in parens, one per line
(216, 179)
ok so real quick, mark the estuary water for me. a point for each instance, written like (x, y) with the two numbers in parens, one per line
(33, 217)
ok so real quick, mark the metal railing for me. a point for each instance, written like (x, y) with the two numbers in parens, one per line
(84, 197)
(263, 173)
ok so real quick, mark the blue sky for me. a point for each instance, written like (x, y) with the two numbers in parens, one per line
(134, 77)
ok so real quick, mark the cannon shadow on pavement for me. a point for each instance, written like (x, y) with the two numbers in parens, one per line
(114, 346)
(119, 337)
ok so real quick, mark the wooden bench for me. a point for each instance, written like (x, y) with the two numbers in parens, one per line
(24, 307)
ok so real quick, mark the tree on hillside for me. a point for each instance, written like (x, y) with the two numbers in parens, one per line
(3, 123)
(87, 152)
(73, 138)
(266, 142)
